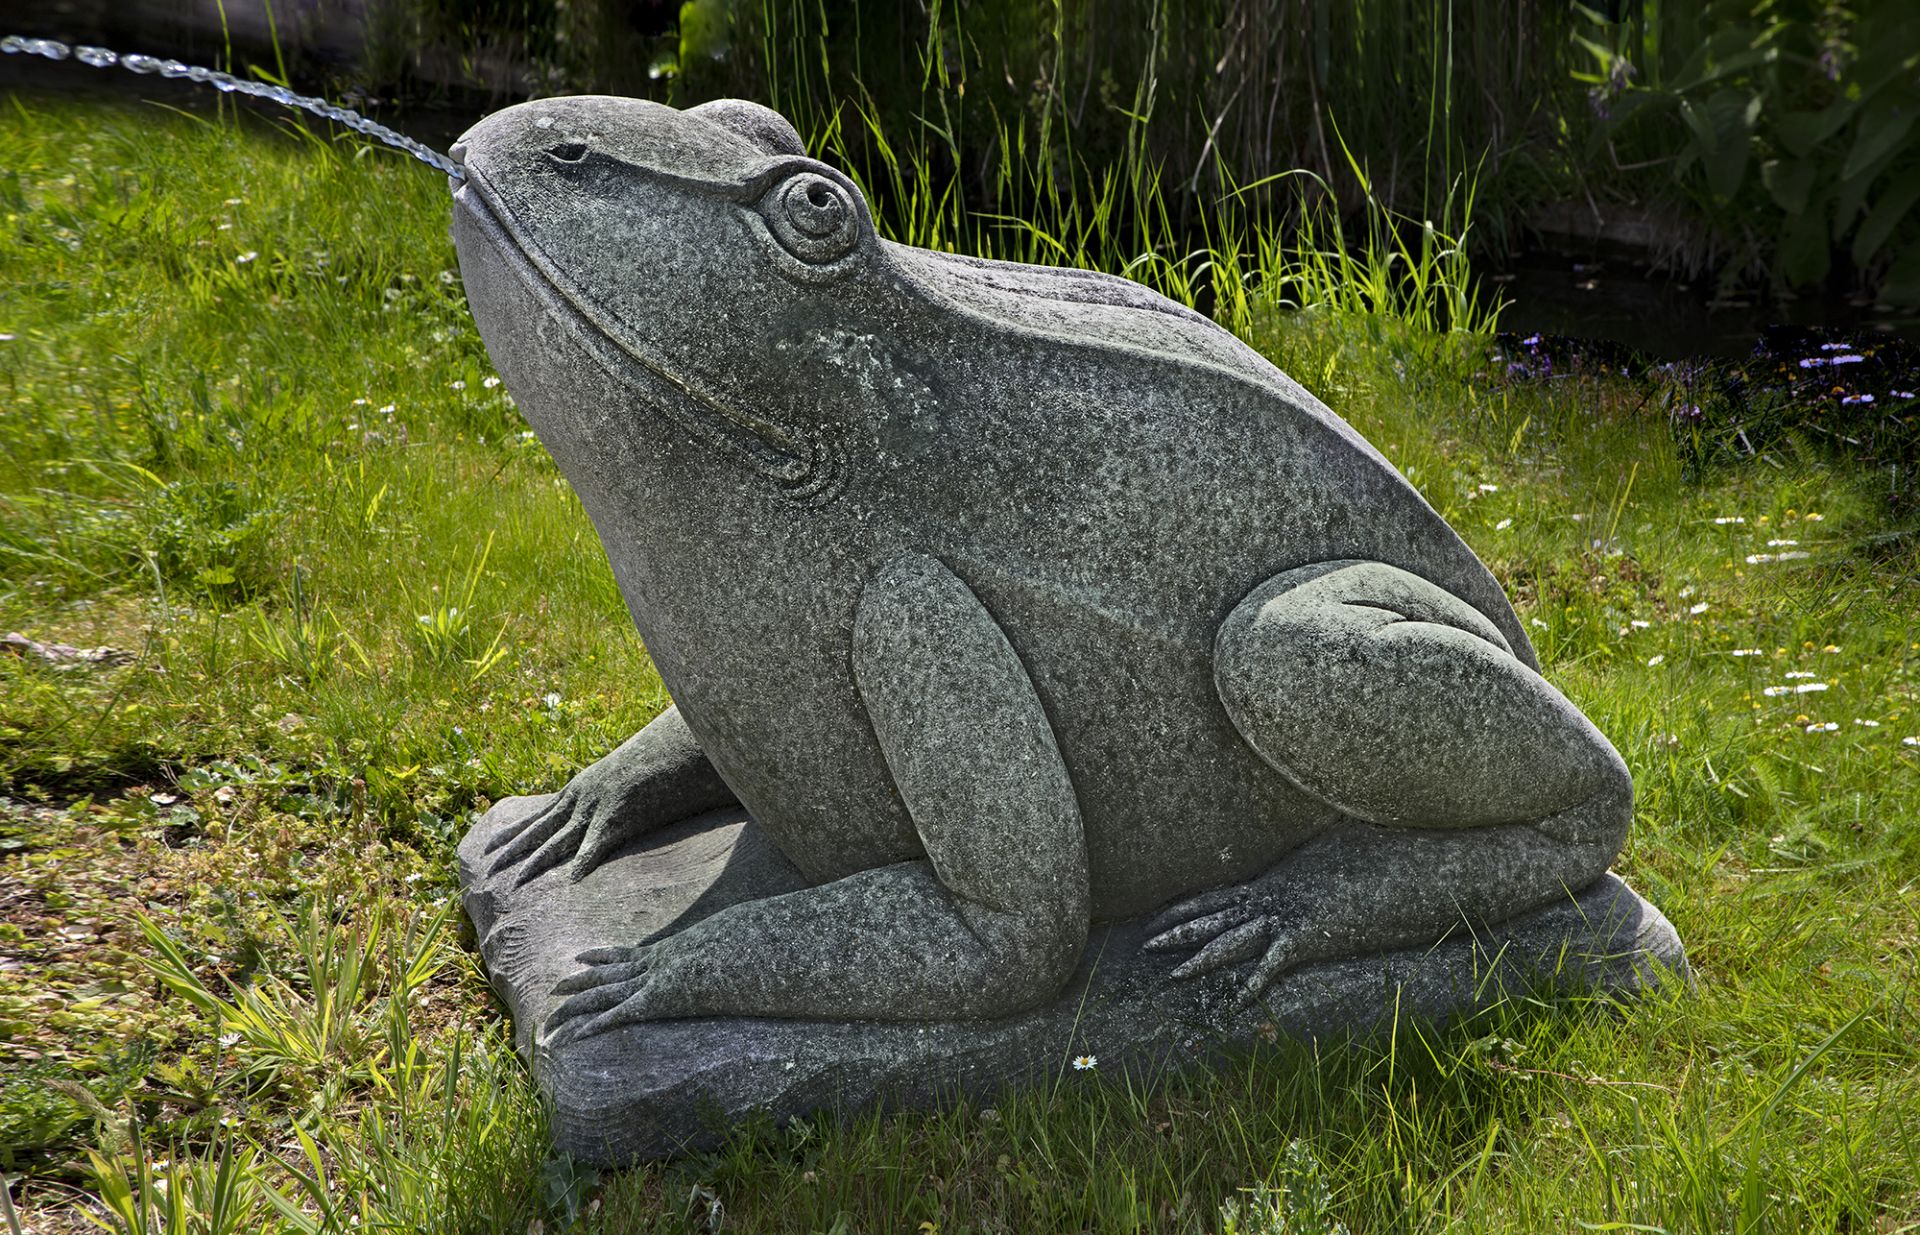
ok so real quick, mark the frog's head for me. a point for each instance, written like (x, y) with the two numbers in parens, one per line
(677, 248)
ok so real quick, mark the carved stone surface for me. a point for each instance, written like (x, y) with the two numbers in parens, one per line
(653, 1089)
(1030, 617)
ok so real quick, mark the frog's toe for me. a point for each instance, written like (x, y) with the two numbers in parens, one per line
(612, 955)
(1191, 909)
(1281, 955)
(512, 848)
(598, 1009)
(559, 848)
(508, 832)
(1230, 947)
(1197, 931)
(602, 975)
(588, 1026)
(515, 833)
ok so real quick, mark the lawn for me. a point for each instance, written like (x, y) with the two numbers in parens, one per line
(252, 445)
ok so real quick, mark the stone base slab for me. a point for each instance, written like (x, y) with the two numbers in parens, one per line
(655, 1089)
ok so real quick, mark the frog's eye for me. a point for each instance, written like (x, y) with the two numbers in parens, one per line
(814, 218)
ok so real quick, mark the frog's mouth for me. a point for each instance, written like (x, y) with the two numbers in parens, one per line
(806, 471)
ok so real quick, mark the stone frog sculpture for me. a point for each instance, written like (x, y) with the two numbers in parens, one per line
(1006, 600)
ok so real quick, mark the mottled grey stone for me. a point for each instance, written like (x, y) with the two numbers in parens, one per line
(1030, 617)
(656, 1088)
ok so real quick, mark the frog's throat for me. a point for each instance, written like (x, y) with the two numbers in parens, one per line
(807, 471)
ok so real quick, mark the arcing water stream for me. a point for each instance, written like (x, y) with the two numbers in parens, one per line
(134, 62)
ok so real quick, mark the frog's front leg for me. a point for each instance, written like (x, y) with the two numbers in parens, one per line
(1475, 791)
(995, 918)
(656, 777)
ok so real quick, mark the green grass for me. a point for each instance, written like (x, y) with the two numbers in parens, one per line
(226, 960)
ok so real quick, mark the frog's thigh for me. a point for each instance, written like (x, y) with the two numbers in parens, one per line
(1400, 704)
(975, 761)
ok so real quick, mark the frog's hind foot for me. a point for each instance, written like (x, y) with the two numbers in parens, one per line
(1359, 889)
(1473, 790)
(1230, 926)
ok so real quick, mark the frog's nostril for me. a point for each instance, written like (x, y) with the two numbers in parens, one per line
(568, 152)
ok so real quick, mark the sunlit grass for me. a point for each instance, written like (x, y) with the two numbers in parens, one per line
(258, 476)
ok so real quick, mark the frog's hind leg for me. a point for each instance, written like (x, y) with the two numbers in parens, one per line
(1474, 790)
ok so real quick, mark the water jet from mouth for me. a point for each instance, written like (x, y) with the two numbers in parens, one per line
(227, 83)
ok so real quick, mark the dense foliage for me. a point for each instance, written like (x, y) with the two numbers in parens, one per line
(1772, 142)
(1788, 125)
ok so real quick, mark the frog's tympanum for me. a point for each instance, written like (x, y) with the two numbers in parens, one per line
(999, 604)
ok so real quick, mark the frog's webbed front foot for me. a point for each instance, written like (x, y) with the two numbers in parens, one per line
(656, 777)
(1473, 790)
(994, 918)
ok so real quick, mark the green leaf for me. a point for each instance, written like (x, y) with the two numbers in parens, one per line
(1886, 58)
(1850, 200)
(1722, 128)
(1893, 205)
(1732, 66)
(1805, 252)
(1883, 126)
(1602, 54)
(1801, 131)
(1763, 1112)
(1789, 181)
(1902, 284)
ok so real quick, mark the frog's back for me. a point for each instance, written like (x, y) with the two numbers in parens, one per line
(1132, 471)
(1138, 419)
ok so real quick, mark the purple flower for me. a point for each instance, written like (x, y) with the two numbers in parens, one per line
(1857, 399)
(1901, 394)
(1833, 347)
(1814, 362)
(1849, 358)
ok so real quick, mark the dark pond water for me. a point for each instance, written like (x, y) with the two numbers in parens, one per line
(1657, 316)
